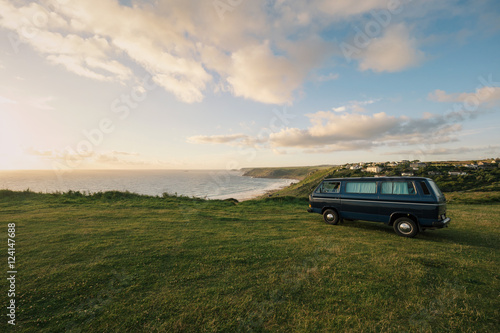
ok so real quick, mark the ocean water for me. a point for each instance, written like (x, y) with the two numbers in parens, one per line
(210, 184)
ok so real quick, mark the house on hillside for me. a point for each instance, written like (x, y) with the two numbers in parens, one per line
(457, 173)
(486, 165)
(418, 165)
(470, 166)
(407, 174)
(374, 169)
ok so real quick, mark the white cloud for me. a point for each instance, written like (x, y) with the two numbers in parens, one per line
(330, 129)
(394, 51)
(491, 149)
(260, 75)
(42, 103)
(4, 100)
(328, 77)
(217, 139)
(346, 8)
(355, 106)
(489, 96)
(72, 159)
(255, 51)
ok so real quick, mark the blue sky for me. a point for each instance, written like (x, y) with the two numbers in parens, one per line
(234, 83)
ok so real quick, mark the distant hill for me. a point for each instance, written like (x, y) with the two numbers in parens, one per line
(298, 173)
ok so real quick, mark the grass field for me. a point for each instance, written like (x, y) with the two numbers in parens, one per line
(119, 262)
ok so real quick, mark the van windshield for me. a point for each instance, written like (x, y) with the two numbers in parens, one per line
(436, 189)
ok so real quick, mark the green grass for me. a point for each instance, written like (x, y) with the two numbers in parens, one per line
(118, 262)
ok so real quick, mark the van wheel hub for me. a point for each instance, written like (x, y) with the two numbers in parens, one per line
(405, 227)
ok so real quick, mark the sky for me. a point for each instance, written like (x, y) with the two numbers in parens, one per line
(228, 84)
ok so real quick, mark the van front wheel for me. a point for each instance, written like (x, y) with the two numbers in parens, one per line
(331, 217)
(405, 227)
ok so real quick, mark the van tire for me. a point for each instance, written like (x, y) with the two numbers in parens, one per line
(405, 227)
(331, 217)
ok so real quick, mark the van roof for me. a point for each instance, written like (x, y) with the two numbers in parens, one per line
(394, 178)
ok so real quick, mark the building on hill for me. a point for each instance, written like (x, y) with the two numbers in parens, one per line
(418, 165)
(407, 174)
(471, 166)
(486, 165)
(457, 173)
(374, 169)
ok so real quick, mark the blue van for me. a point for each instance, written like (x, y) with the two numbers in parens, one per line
(408, 204)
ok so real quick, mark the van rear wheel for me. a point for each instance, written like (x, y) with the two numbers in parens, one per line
(331, 217)
(405, 227)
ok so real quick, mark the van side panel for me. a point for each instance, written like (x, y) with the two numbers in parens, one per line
(397, 204)
(431, 214)
(361, 207)
(324, 201)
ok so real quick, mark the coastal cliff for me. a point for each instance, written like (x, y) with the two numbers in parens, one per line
(298, 173)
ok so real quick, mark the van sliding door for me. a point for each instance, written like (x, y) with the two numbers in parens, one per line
(360, 201)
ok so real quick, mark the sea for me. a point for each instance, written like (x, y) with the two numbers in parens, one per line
(208, 184)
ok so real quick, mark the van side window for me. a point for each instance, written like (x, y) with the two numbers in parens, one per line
(405, 188)
(361, 187)
(425, 188)
(329, 187)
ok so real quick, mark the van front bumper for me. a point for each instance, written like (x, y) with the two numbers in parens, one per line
(441, 224)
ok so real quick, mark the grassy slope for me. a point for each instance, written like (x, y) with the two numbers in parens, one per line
(303, 188)
(131, 263)
(283, 172)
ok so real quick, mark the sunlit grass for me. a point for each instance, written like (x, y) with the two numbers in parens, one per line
(123, 262)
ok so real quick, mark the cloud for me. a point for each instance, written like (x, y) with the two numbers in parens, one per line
(343, 9)
(355, 106)
(236, 140)
(392, 52)
(87, 56)
(491, 149)
(331, 131)
(48, 153)
(255, 49)
(117, 158)
(340, 109)
(42, 103)
(328, 77)
(260, 75)
(485, 95)
(218, 139)
(328, 129)
(4, 100)
(70, 159)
